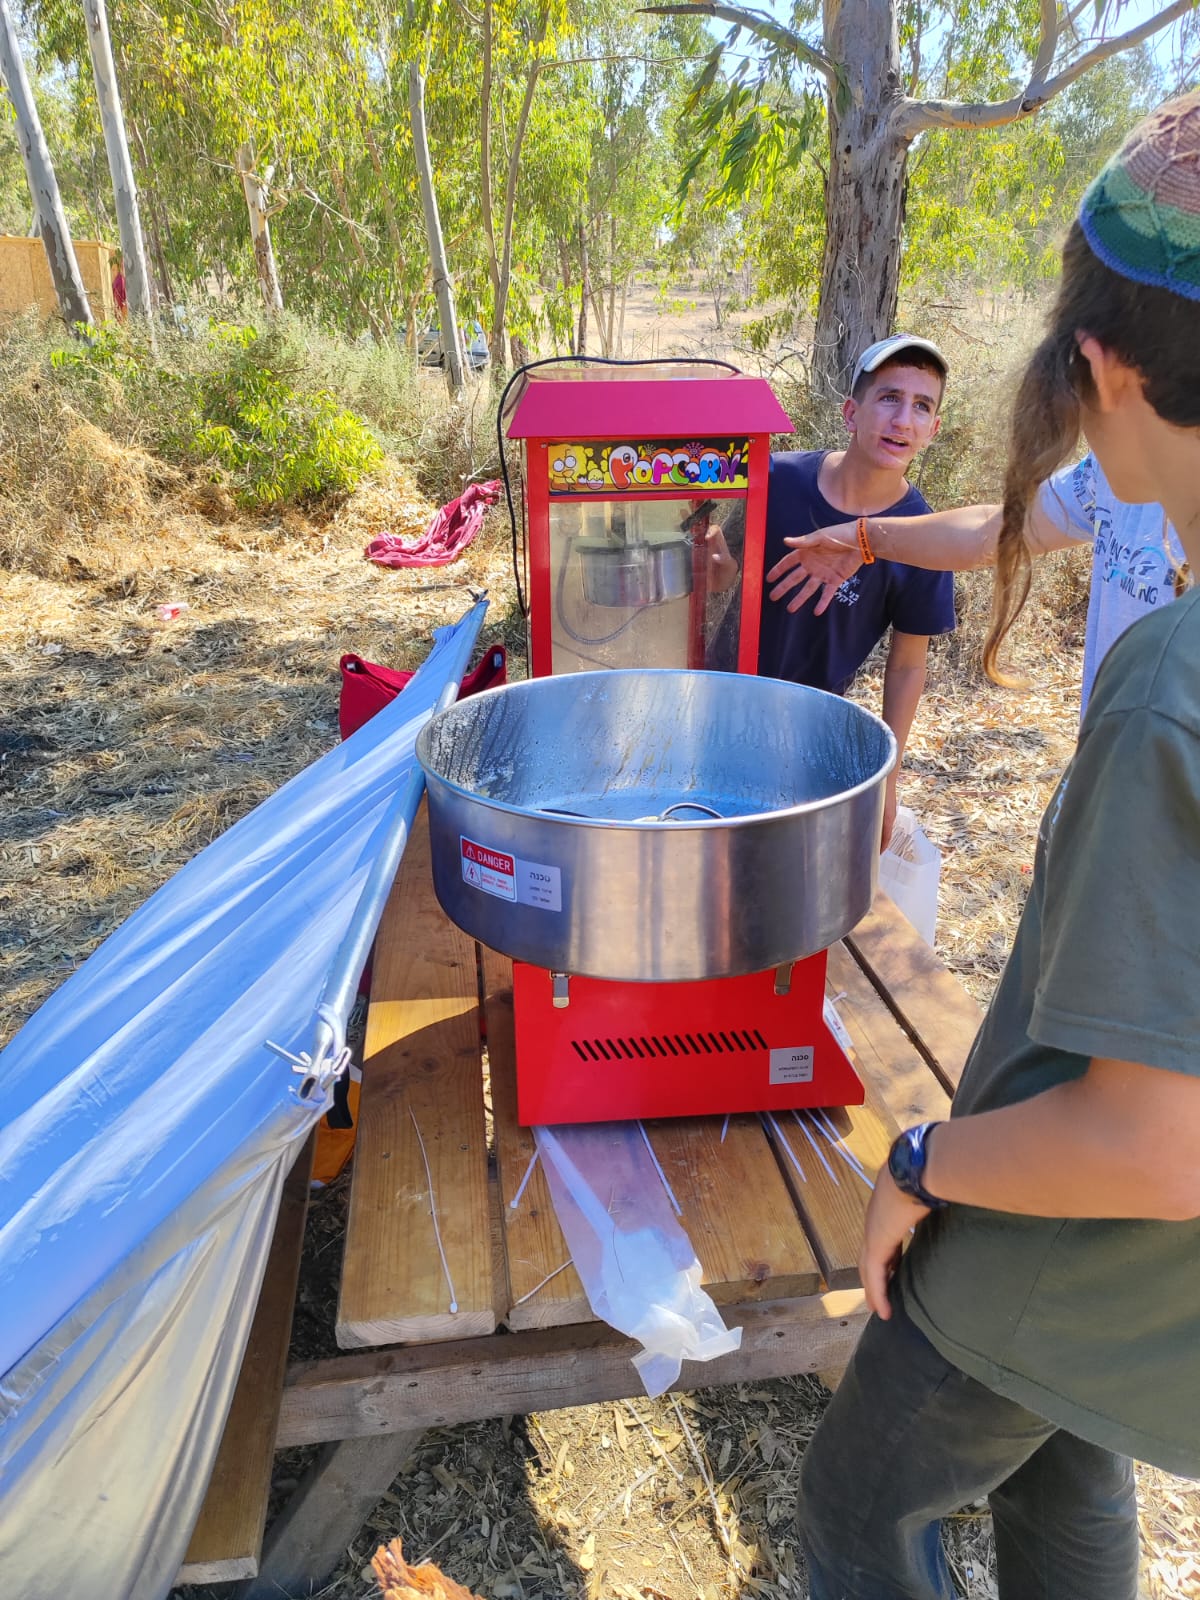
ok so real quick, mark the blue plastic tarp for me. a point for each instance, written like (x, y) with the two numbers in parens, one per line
(148, 1126)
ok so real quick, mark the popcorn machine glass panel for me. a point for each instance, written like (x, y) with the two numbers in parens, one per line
(629, 585)
(625, 472)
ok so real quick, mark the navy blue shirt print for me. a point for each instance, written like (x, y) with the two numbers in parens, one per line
(825, 652)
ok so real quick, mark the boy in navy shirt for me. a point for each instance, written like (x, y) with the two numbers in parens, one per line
(892, 412)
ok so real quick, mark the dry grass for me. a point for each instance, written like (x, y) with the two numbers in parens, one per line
(128, 742)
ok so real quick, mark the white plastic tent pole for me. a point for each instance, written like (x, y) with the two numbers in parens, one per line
(337, 997)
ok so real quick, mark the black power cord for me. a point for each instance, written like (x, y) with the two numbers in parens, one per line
(555, 361)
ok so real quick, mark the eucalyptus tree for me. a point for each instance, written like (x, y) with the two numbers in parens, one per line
(401, 45)
(129, 223)
(517, 42)
(600, 163)
(990, 214)
(630, 185)
(418, 18)
(233, 98)
(50, 220)
(839, 88)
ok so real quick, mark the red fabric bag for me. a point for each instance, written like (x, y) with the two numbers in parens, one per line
(368, 687)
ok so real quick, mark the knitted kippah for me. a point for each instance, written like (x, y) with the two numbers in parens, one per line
(1142, 214)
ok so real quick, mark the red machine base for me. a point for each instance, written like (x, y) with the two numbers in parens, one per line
(618, 1051)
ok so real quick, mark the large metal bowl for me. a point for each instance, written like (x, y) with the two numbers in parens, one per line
(546, 802)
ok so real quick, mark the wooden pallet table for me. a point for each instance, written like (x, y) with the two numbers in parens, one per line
(457, 1304)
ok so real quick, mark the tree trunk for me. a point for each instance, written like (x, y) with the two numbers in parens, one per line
(598, 313)
(865, 191)
(619, 347)
(385, 191)
(164, 288)
(585, 289)
(443, 287)
(50, 220)
(159, 225)
(504, 278)
(339, 186)
(496, 338)
(129, 223)
(611, 327)
(255, 191)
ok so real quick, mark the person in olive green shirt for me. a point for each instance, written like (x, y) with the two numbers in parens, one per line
(1044, 1325)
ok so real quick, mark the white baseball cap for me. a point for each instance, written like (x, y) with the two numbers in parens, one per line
(883, 350)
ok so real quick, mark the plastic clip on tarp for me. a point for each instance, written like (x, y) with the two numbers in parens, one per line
(148, 1128)
(635, 1261)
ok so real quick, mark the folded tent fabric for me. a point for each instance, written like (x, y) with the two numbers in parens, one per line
(446, 537)
(148, 1128)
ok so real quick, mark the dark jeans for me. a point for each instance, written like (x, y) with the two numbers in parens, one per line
(908, 1438)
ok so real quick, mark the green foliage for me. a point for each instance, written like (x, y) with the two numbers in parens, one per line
(648, 141)
(104, 355)
(277, 444)
(749, 130)
(984, 207)
(231, 402)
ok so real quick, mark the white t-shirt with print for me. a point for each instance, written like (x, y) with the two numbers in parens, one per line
(1136, 556)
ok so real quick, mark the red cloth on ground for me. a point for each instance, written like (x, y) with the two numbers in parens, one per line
(446, 537)
(367, 687)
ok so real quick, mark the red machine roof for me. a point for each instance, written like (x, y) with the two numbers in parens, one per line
(594, 404)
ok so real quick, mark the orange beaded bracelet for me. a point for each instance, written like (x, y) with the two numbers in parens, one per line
(864, 546)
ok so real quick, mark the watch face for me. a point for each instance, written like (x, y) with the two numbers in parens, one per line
(906, 1160)
(906, 1163)
(900, 1161)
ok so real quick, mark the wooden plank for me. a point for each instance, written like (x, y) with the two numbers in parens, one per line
(931, 1005)
(336, 1496)
(545, 1369)
(735, 1208)
(501, 1292)
(420, 1165)
(901, 1089)
(829, 1194)
(227, 1537)
(545, 1289)
(884, 1054)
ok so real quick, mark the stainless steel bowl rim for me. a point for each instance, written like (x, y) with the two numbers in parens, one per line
(701, 824)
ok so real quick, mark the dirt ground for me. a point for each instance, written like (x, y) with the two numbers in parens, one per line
(129, 740)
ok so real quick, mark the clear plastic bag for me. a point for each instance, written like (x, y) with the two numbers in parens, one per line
(635, 1261)
(910, 870)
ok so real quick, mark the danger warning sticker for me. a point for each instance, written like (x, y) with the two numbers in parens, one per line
(489, 870)
(508, 877)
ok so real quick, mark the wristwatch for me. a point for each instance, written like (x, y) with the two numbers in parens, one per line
(906, 1163)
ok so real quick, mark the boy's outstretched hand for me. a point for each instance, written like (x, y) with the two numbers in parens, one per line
(816, 561)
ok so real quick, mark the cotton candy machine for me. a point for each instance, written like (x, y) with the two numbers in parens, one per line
(663, 826)
(668, 846)
(666, 855)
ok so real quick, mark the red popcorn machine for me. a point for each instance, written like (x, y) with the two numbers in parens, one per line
(666, 850)
(619, 568)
